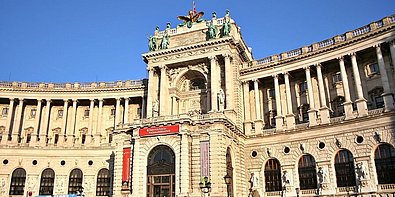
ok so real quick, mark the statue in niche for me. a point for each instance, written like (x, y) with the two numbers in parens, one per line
(212, 30)
(285, 178)
(221, 99)
(155, 108)
(361, 172)
(165, 42)
(321, 175)
(152, 41)
(254, 180)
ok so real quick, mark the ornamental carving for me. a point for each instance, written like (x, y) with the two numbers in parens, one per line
(175, 73)
(187, 54)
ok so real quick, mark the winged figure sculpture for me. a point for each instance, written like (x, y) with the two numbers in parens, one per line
(191, 18)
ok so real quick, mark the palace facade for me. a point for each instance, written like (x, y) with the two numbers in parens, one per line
(212, 121)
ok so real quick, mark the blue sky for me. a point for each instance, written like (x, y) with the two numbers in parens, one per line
(102, 40)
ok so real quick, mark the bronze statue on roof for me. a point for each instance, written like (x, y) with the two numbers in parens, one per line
(191, 18)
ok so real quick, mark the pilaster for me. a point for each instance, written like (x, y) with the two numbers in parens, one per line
(387, 95)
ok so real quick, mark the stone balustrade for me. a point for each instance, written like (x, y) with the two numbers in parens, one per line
(72, 86)
(388, 21)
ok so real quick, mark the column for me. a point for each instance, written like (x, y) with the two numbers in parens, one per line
(279, 116)
(228, 82)
(150, 96)
(392, 50)
(18, 121)
(163, 98)
(312, 111)
(387, 96)
(71, 133)
(117, 109)
(173, 105)
(8, 126)
(99, 123)
(324, 110)
(126, 113)
(258, 120)
(184, 168)
(214, 83)
(247, 112)
(44, 130)
(143, 108)
(63, 135)
(347, 104)
(89, 135)
(37, 122)
(290, 117)
(362, 106)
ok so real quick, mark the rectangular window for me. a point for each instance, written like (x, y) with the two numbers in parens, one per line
(303, 87)
(33, 113)
(336, 77)
(379, 102)
(374, 69)
(60, 113)
(4, 112)
(86, 113)
(272, 93)
(112, 112)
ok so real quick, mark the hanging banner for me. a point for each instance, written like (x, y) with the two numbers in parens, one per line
(204, 159)
(126, 165)
(162, 130)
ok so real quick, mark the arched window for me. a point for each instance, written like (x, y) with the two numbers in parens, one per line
(345, 169)
(18, 182)
(103, 183)
(307, 172)
(384, 158)
(47, 182)
(273, 175)
(229, 173)
(75, 181)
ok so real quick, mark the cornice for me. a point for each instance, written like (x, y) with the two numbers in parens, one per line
(74, 91)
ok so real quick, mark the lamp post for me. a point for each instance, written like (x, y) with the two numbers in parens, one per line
(297, 191)
(228, 180)
(205, 186)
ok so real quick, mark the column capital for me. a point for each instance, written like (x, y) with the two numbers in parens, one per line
(117, 98)
(275, 76)
(306, 67)
(92, 100)
(48, 100)
(353, 54)
(318, 65)
(12, 99)
(341, 58)
(285, 73)
(226, 55)
(255, 80)
(378, 45)
(65, 100)
(245, 81)
(126, 98)
(75, 100)
(21, 99)
(163, 67)
(211, 58)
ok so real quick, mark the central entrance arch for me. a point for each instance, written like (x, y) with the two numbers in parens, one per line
(161, 172)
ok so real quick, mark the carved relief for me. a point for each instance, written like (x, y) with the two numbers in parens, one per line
(60, 184)
(3, 186)
(190, 53)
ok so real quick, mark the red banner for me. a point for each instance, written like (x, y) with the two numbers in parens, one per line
(126, 165)
(162, 130)
(204, 158)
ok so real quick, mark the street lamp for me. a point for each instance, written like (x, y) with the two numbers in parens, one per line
(205, 186)
(228, 180)
(297, 191)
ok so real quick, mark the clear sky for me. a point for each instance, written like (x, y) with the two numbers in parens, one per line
(102, 40)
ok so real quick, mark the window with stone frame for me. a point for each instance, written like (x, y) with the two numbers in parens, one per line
(60, 114)
(302, 87)
(18, 180)
(372, 69)
(103, 183)
(4, 111)
(384, 158)
(47, 182)
(86, 113)
(33, 113)
(273, 175)
(75, 181)
(345, 169)
(337, 106)
(307, 172)
(375, 100)
(303, 111)
(112, 112)
(336, 78)
(272, 93)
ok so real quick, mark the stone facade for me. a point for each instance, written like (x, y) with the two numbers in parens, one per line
(214, 112)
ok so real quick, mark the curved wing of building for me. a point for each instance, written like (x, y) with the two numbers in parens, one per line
(212, 120)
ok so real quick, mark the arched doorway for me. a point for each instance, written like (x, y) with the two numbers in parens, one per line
(161, 172)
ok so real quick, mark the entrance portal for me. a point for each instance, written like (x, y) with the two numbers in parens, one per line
(160, 172)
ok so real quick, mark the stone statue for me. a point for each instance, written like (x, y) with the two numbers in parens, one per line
(321, 175)
(361, 172)
(221, 99)
(254, 180)
(214, 15)
(168, 26)
(155, 108)
(156, 31)
(152, 40)
(285, 178)
(165, 42)
(212, 30)
(226, 28)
